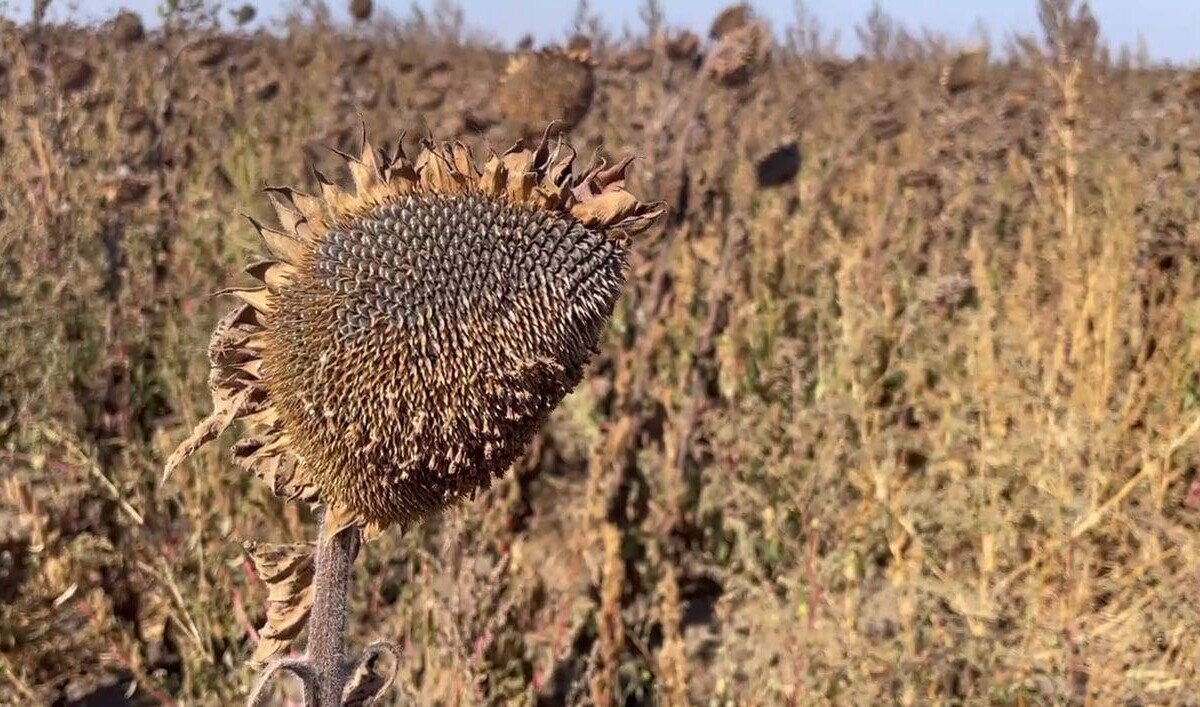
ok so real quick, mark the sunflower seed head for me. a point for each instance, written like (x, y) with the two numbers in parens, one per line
(740, 55)
(546, 86)
(426, 342)
(415, 333)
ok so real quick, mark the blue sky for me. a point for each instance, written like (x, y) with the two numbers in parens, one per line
(1171, 28)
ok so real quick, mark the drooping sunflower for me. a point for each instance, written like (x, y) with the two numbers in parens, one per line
(407, 340)
(546, 86)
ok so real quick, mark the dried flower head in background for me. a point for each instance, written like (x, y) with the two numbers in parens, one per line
(740, 55)
(730, 20)
(635, 60)
(127, 28)
(682, 46)
(579, 44)
(778, 166)
(245, 14)
(541, 87)
(72, 73)
(210, 51)
(966, 71)
(360, 10)
(410, 338)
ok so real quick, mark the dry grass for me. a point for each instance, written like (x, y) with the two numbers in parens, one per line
(917, 426)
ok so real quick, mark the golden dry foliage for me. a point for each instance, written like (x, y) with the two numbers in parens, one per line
(918, 425)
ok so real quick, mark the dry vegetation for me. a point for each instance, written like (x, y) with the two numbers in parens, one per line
(918, 423)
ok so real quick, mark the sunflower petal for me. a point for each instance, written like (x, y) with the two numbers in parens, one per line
(274, 273)
(221, 418)
(289, 249)
(606, 209)
(494, 177)
(257, 297)
(287, 215)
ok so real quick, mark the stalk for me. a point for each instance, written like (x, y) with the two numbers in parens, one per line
(326, 650)
(324, 669)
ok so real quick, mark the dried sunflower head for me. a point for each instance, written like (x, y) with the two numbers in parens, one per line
(636, 60)
(740, 55)
(410, 338)
(546, 86)
(965, 71)
(731, 19)
(360, 10)
(127, 28)
(73, 74)
(682, 46)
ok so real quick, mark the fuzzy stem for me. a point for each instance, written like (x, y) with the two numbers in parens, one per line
(326, 649)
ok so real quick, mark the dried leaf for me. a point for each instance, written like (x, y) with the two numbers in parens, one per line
(287, 570)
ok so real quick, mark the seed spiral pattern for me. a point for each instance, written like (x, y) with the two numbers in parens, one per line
(427, 341)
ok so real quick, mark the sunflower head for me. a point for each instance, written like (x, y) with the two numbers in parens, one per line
(730, 19)
(550, 86)
(409, 338)
(740, 55)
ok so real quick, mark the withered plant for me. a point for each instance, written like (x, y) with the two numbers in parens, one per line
(407, 341)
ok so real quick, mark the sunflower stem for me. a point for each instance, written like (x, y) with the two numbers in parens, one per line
(326, 649)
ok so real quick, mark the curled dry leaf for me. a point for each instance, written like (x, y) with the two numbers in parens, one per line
(369, 680)
(287, 571)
